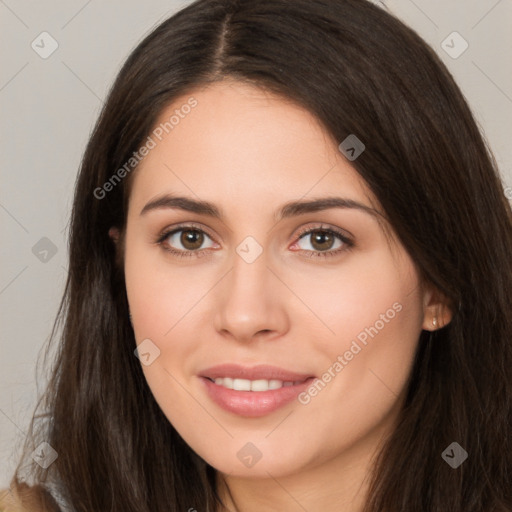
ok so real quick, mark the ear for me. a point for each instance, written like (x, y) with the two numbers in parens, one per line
(437, 311)
(113, 233)
(116, 236)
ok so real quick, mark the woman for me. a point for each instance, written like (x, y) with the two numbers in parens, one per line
(290, 278)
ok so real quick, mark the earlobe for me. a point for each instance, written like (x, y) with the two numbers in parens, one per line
(113, 233)
(117, 236)
(437, 311)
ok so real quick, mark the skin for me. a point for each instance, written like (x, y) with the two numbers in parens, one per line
(249, 152)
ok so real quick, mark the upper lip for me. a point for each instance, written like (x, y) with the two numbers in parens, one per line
(262, 371)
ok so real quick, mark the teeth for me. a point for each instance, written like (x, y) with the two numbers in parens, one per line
(241, 385)
(252, 385)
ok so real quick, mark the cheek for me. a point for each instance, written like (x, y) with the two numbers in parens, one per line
(159, 295)
(371, 317)
(162, 302)
(371, 292)
(375, 313)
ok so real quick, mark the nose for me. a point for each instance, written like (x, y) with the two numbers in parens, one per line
(250, 302)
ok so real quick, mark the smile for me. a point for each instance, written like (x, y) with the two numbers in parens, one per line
(253, 385)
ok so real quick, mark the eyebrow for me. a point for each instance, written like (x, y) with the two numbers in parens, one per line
(290, 209)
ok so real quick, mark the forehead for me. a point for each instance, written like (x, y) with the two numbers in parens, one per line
(240, 141)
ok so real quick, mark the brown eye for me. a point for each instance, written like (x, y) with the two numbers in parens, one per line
(191, 239)
(322, 240)
(186, 240)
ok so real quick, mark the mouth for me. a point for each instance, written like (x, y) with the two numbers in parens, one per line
(252, 392)
(258, 386)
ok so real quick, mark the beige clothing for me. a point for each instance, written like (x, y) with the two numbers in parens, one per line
(27, 499)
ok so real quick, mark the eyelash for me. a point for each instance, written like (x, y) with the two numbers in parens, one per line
(348, 243)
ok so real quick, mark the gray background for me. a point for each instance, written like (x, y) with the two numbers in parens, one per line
(48, 107)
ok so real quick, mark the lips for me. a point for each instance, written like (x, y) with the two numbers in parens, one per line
(260, 372)
(252, 392)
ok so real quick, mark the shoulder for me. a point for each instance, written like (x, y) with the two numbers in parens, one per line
(25, 498)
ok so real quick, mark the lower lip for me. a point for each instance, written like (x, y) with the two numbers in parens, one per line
(253, 403)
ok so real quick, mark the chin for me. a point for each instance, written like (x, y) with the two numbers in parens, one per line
(249, 462)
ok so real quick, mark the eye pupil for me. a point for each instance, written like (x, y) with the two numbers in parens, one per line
(193, 237)
(320, 237)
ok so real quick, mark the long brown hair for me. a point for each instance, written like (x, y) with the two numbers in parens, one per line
(360, 71)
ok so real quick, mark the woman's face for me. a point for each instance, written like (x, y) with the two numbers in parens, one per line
(314, 296)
